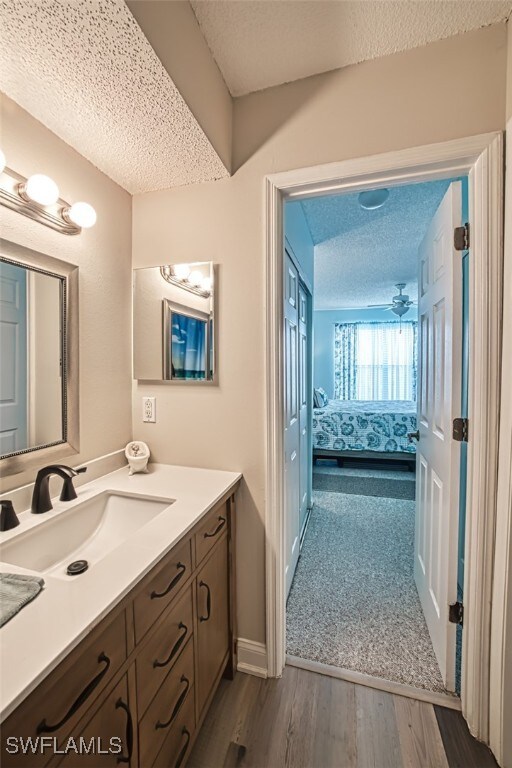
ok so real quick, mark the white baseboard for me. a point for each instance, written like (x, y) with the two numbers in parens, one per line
(252, 657)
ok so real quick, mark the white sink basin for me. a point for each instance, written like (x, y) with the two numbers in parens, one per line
(87, 531)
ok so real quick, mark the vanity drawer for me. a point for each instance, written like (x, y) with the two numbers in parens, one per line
(160, 588)
(163, 649)
(165, 709)
(61, 700)
(211, 530)
(176, 747)
(109, 734)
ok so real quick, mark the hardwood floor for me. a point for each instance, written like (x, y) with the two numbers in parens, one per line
(308, 720)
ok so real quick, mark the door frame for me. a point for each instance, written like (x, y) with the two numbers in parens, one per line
(481, 158)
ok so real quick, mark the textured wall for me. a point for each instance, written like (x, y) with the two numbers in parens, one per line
(449, 89)
(103, 255)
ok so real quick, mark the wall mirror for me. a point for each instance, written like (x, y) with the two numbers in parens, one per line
(39, 358)
(174, 323)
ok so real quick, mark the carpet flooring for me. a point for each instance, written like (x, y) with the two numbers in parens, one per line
(353, 601)
(360, 485)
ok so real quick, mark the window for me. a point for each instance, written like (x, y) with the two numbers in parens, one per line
(375, 361)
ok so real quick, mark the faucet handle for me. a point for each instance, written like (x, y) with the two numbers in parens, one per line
(8, 517)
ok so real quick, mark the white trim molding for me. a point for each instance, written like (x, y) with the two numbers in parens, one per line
(252, 657)
(501, 617)
(480, 157)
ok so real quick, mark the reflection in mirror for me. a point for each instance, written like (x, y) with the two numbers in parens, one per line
(31, 383)
(174, 324)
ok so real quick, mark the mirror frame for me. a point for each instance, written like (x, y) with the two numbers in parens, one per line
(19, 461)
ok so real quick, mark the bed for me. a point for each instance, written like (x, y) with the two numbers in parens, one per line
(375, 429)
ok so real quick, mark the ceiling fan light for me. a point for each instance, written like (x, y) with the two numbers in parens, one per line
(400, 310)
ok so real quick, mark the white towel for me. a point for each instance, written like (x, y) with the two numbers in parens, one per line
(16, 590)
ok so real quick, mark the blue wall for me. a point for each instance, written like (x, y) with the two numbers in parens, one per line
(297, 234)
(323, 338)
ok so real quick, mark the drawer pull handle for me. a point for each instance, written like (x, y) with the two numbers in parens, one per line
(43, 727)
(178, 704)
(222, 523)
(181, 568)
(184, 732)
(120, 704)
(208, 601)
(177, 645)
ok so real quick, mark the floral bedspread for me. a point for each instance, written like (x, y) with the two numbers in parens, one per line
(365, 425)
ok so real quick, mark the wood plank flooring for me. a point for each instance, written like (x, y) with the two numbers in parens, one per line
(308, 720)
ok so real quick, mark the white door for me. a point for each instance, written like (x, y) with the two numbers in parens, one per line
(13, 366)
(291, 421)
(438, 455)
(305, 458)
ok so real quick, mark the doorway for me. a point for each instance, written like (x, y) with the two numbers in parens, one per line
(480, 158)
(372, 571)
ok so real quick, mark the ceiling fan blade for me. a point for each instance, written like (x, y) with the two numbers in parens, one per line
(378, 306)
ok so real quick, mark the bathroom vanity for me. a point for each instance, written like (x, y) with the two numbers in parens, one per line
(140, 641)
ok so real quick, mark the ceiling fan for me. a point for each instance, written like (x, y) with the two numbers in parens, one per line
(400, 303)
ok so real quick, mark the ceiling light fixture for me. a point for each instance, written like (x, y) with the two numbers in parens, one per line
(181, 276)
(371, 199)
(38, 198)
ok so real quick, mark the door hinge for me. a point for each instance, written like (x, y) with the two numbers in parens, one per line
(456, 613)
(461, 238)
(461, 430)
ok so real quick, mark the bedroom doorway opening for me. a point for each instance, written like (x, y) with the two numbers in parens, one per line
(376, 555)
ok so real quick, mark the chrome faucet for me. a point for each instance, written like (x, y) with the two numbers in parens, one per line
(41, 501)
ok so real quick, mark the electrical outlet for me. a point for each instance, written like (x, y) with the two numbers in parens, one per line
(149, 409)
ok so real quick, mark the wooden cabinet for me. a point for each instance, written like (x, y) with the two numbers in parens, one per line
(108, 737)
(212, 620)
(138, 687)
(57, 705)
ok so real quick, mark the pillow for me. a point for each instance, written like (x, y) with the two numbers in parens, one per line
(320, 398)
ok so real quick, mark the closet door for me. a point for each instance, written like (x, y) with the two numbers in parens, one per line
(305, 458)
(291, 421)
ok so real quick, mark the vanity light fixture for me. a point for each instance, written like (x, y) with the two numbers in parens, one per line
(195, 282)
(38, 198)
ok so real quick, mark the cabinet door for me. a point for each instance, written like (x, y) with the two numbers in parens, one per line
(212, 620)
(107, 739)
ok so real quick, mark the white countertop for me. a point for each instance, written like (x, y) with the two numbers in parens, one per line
(34, 641)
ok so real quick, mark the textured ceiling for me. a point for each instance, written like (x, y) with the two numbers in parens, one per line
(359, 254)
(85, 69)
(259, 44)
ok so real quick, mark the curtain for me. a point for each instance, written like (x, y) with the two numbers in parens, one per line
(375, 361)
(345, 340)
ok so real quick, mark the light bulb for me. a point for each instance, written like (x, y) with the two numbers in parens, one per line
(206, 284)
(82, 214)
(2, 161)
(195, 278)
(41, 189)
(181, 271)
